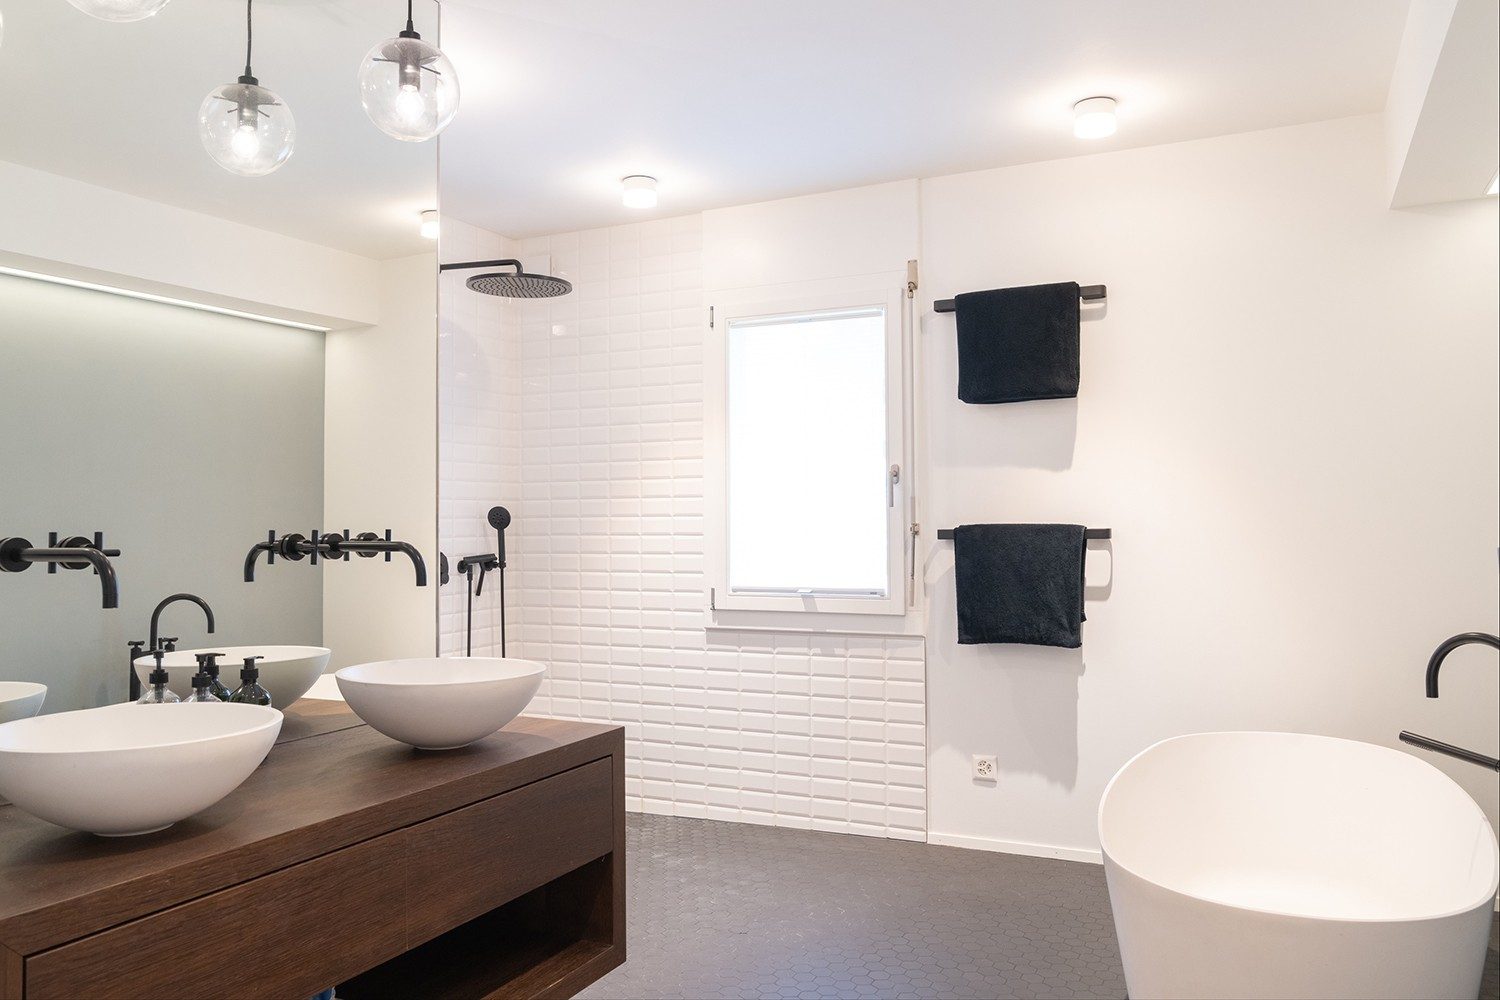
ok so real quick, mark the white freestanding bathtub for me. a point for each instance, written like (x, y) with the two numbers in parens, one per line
(1284, 865)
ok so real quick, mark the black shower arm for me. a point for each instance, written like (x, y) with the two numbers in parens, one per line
(464, 265)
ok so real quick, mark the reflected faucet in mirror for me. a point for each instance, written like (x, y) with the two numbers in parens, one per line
(1435, 664)
(332, 546)
(18, 555)
(156, 642)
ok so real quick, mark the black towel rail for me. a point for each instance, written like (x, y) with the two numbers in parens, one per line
(1088, 293)
(1088, 533)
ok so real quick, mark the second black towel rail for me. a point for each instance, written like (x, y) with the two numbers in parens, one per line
(1088, 533)
(1088, 293)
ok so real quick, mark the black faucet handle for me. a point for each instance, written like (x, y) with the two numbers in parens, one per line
(169, 643)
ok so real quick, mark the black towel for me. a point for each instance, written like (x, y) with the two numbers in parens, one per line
(1019, 583)
(1018, 343)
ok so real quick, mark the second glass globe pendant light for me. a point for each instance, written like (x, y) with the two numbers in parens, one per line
(246, 129)
(408, 87)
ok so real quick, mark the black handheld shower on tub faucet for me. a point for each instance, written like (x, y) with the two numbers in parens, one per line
(499, 519)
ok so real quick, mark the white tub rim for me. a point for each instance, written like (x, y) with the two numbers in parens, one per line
(1487, 899)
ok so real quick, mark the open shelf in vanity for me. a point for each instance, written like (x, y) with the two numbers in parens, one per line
(346, 859)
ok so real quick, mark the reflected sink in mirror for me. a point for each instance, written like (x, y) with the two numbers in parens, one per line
(123, 770)
(20, 700)
(286, 672)
(440, 703)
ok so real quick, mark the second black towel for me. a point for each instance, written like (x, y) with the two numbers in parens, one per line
(1016, 344)
(1019, 583)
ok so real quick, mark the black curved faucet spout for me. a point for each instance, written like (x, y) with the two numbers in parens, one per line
(1449, 645)
(208, 612)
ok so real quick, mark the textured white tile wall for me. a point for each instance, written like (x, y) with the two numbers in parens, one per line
(818, 732)
(479, 431)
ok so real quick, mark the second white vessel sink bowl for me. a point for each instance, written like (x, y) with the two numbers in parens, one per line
(20, 700)
(286, 672)
(440, 703)
(123, 770)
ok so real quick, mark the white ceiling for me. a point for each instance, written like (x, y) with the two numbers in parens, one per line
(730, 102)
(117, 105)
(726, 102)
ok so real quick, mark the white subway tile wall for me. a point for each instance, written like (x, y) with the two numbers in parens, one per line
(817, 732)
(479, 431)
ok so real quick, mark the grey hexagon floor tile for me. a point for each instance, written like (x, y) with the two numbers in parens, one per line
(737, 911)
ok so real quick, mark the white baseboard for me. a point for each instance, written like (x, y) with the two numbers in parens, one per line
(1015, 847)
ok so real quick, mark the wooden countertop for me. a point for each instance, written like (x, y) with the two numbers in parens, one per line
(330, 782)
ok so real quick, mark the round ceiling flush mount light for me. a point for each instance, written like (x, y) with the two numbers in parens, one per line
(246, 129)
(430, 225)
(638, 191)
(409, 88)
(1094, 118)
(119, 10)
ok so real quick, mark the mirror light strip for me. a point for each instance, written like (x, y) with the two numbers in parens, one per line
(163, 299)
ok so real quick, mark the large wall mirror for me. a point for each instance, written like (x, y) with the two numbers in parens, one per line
(204, 341)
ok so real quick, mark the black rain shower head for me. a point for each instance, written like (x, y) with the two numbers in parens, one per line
(515, 284)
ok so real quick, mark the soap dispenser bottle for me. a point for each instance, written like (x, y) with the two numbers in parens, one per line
(157, 692)
(203, 684)
(250, 692)
(208, 663)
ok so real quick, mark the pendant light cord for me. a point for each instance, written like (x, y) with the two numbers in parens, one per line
(249, 36)
(409, 25)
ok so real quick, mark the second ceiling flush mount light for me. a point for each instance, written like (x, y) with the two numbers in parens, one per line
(408, 87)
(246, 129)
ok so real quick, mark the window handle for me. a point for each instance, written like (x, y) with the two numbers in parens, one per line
(892, 480)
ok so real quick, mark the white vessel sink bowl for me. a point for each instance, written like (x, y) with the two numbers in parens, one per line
(129, 769)
(286, 672)
(440, 703)
(20, 700)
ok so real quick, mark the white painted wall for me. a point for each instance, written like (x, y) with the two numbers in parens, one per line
(1288, 415)
(380, 469)
(60, 226)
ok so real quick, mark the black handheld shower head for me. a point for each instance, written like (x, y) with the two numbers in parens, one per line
(500, 520)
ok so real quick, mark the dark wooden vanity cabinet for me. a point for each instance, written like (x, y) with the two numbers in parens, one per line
(348, 860)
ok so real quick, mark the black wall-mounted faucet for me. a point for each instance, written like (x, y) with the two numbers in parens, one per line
(18, 555)
(333, 545)
(1433, 666)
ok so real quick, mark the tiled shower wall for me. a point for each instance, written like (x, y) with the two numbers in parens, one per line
(479, 430)
(607, 588)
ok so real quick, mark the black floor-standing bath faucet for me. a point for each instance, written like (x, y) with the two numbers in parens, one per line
(1433, 666)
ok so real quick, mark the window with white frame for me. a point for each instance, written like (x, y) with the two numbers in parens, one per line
(805, 452)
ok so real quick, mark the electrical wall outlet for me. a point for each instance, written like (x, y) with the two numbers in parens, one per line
(986, 767)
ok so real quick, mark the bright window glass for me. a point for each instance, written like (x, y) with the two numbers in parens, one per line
(807, 454)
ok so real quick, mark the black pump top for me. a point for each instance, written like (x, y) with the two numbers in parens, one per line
(250, 673)
(201, 681)
(158, 676)
(208, 663)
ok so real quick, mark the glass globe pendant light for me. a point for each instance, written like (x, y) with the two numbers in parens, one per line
(119, 10)
(246, 129)
(409, 88)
